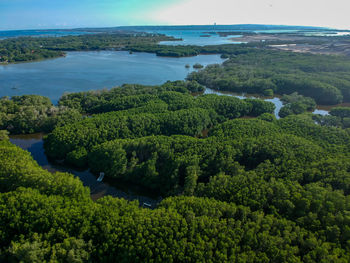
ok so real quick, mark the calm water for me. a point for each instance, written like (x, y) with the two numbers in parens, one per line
(34, 144)
(190, 34)
(193, 35)
(197, 37)
(82, 71)
(275, 100)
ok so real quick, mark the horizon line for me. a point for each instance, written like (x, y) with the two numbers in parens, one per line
(175, 25)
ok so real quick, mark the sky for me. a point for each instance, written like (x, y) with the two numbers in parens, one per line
(41, 14)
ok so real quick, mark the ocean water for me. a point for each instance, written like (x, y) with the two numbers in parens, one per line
(207, 35)
(40, 33)
(191, 34)
(197, 37)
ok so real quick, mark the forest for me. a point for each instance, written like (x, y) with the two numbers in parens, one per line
(325, 78)
(33, 113)
(249, 68)
(23, 49)
(237, 184)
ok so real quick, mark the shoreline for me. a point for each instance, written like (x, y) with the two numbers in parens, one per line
(30, 61)
(33, 143)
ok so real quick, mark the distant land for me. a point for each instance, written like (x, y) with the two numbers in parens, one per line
(158, 144)
(239, 28)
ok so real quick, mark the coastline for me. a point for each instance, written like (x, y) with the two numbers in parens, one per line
(34, 60)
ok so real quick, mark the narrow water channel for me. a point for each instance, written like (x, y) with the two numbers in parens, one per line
(35, 145)
(275, 100)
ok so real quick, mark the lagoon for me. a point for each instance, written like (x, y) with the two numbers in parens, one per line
(90, 70)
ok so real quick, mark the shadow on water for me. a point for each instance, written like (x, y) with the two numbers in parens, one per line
(35, 145)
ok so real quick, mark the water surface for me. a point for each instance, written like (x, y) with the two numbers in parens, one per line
(275, 100)
(198, 38)
(34, 144)
(82, 71)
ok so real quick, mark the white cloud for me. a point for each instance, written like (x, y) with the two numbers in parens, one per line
(333, 13)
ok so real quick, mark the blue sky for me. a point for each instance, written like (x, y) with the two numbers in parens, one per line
(20, 14)
(31, 14)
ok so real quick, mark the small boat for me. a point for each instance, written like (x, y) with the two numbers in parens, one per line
(100, 178)
(147, 205)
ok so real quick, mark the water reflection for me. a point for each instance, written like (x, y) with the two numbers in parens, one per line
(92, 70)
(34, 144)
(275, 100)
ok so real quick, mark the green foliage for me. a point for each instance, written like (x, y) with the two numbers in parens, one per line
(310, 104)
(229, 107)
(342, 112)
(339, 117)
(331, 138)
(237, 189)
(296, 104)
(327, 120)
(260, 107)
(244, 128)
(127, 96)
(198, 66)
(166, 50)
(262, 194)
(4, 135)
(109, 126)
(137, 111)
(33, 113)
(18, 169)
(174, 94)
(268, 92)
(34, 48)
(38, 250)
(266, 72)
(267, 117)
(77, 157)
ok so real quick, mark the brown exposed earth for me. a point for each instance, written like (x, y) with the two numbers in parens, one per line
(328, 49)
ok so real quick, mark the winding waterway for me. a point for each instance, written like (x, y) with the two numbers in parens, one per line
(82, 71)
(275, 100)
(34, 144)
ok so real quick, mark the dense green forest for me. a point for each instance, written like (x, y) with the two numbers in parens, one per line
(323, 78)
(191, 50)
(34, 48)
(238, 184)
(339, 117)
(249, 68)
(296, 104)
(50, 217)
(134, 111)
(23, 49)
(33, 113)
